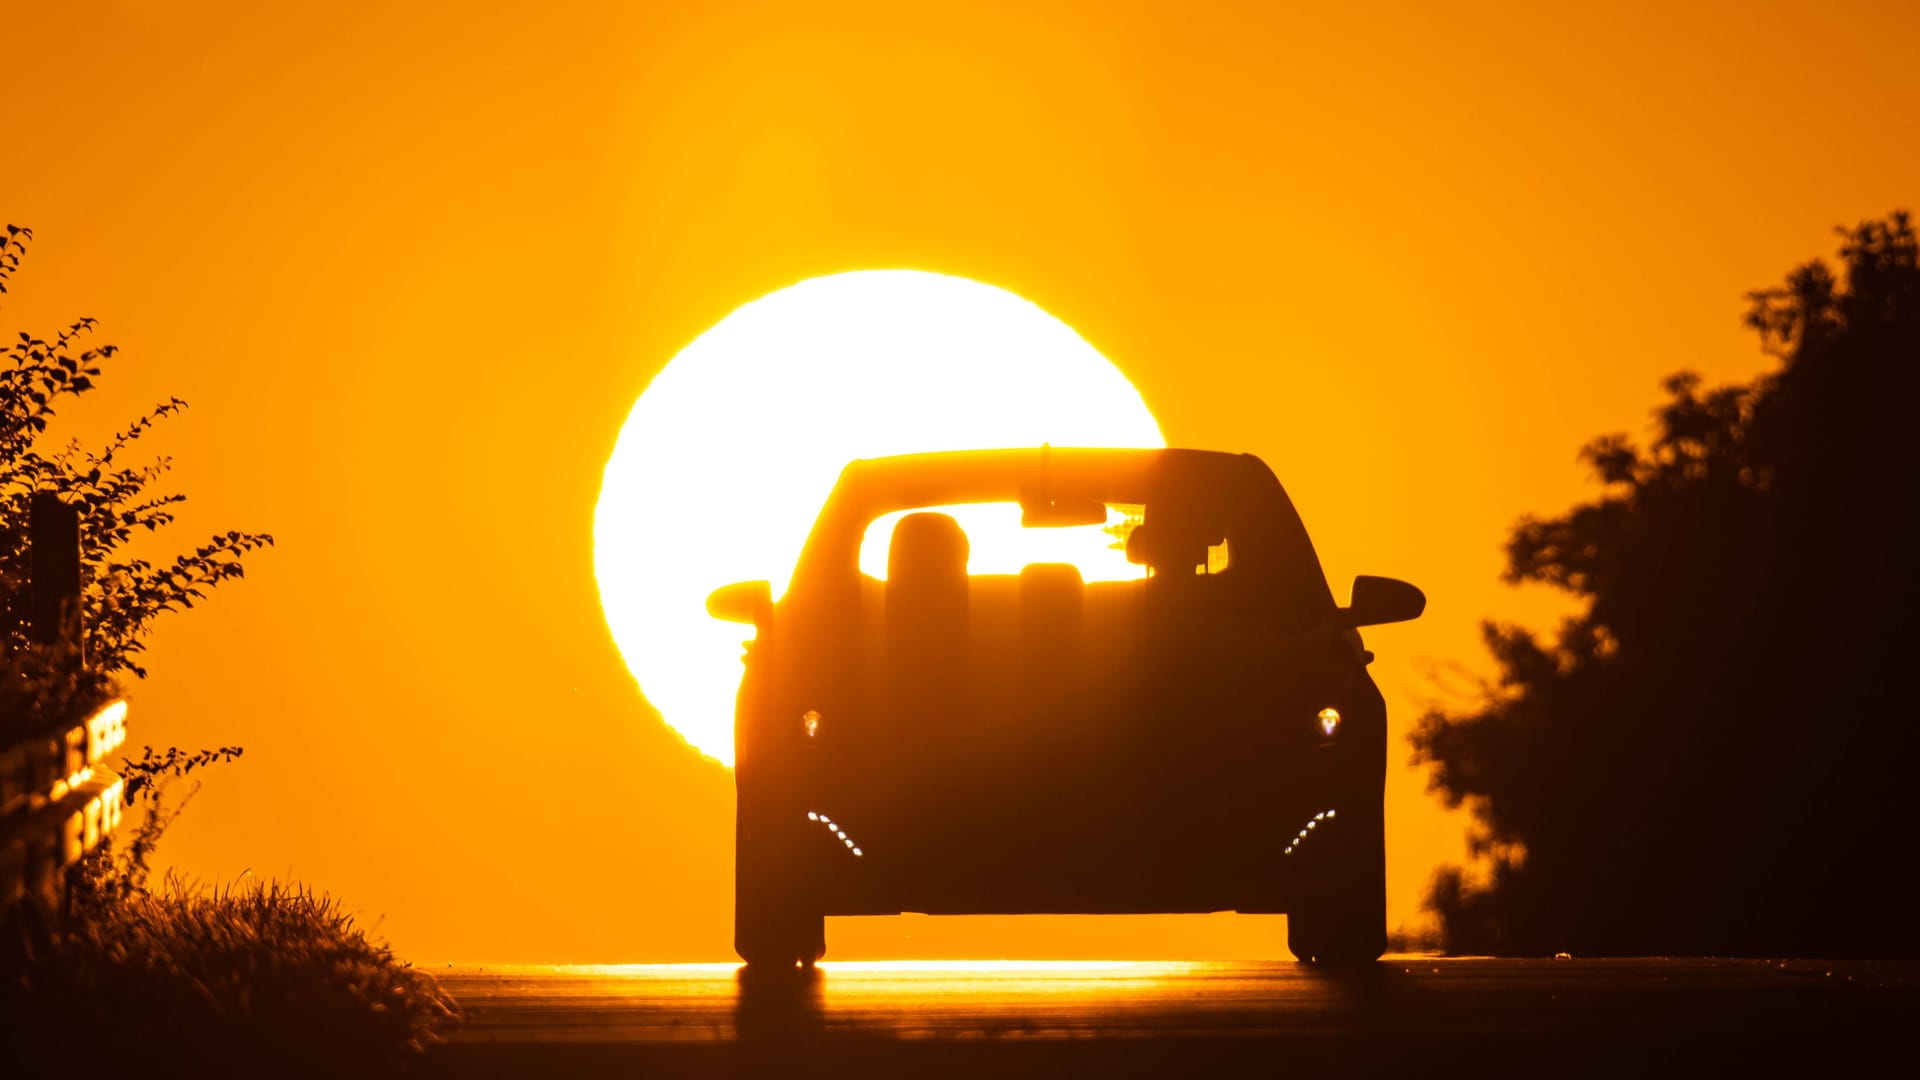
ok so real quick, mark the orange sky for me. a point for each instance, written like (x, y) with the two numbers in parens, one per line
(413, 267)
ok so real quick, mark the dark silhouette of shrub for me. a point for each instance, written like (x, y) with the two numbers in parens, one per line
(213, 981)
(43, 684)
(1717, 755)
(253, 977)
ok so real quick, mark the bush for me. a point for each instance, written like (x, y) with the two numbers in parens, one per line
(260, 977)
(265, 978)
(121, 597)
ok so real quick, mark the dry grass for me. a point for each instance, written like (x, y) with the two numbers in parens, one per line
(259, 977)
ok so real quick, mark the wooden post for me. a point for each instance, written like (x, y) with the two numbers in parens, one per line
(58, 796)
(53, 530)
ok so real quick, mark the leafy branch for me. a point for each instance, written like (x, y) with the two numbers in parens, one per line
(121, 597)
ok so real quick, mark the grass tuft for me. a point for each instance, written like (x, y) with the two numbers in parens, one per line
(258, 977)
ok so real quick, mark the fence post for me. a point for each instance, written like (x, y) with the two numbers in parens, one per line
(53, 531)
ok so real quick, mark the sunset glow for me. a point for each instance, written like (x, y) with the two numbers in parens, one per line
(726, 458)
(414, 266)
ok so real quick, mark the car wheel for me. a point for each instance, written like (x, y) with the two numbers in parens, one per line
(771, 927)
(779, 939)
(1345, 920)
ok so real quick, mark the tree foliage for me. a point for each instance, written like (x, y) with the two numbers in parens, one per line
(122, 596)
(1715, 755)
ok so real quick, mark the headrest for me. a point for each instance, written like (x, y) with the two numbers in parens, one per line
(927, 546)
(1051, 575)
(1169, 549)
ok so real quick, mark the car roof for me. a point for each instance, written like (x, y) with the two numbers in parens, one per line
(1090, 471)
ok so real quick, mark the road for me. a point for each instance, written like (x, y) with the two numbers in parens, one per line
(1542, 1017)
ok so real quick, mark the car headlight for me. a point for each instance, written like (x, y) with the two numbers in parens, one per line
(1329, 722)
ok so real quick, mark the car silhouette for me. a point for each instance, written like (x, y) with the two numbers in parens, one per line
(1199, 734)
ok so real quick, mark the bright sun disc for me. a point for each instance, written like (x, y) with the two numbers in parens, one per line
(727, 456)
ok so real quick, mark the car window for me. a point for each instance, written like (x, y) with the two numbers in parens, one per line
(999, 544)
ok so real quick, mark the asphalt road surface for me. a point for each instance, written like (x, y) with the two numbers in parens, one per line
(1406, 1014)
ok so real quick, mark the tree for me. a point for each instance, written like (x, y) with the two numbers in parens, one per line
(1715, 755)
(121, 596)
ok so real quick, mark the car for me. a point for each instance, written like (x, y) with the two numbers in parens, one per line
(1192, 730)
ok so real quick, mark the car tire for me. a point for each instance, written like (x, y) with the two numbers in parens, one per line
(771, 927)
(779, 939)
(1345, 921)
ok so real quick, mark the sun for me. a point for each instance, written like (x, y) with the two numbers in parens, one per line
(727, 456)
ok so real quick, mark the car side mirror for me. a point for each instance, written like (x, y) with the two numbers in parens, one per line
(742, 602)
(1379, 600)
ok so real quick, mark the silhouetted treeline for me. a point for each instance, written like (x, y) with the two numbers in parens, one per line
(1722, 755)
